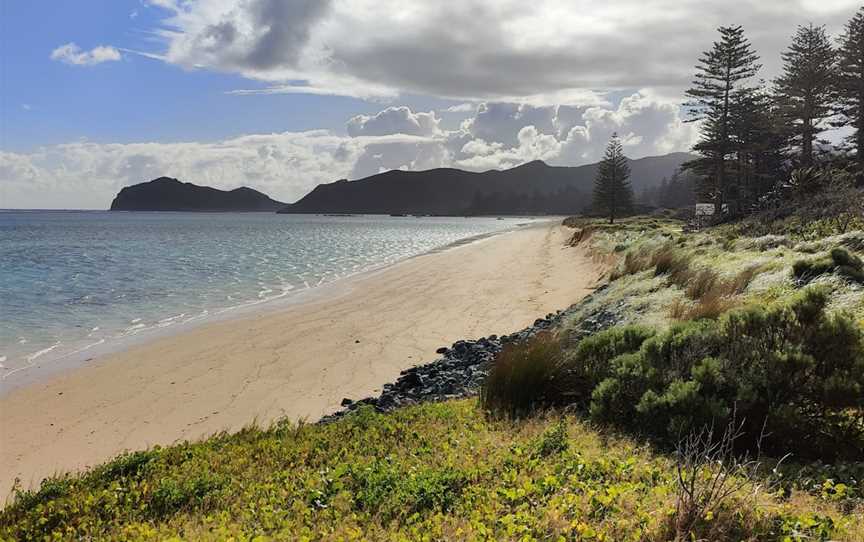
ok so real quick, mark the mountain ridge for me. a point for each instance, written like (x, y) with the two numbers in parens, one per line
(531, 187)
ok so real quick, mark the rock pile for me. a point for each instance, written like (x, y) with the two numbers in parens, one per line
(460, 370)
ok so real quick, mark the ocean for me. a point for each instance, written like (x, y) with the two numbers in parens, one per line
(76, 283)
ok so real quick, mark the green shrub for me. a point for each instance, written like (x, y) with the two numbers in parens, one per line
(792, 367)
(589, 362)
(537, 375)
(553, 440)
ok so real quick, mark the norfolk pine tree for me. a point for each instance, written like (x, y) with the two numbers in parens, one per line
(805, 90)
(613, 195)
(850, 85)
(719, 84)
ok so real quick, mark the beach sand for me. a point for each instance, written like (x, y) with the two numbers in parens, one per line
(298, 361)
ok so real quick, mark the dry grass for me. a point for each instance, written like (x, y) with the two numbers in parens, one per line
(674, 263)
(710, 306)
(703, 282)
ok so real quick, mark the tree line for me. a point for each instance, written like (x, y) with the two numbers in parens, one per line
(755, 136)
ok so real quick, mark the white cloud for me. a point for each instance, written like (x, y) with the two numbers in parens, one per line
(27, 107)
(72, 54)
(395, 120)
(88, 175)
(542, 52)
(462, 108)
(288, 165)
(646, 126)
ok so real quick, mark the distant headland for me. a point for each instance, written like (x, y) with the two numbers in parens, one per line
(167, 194)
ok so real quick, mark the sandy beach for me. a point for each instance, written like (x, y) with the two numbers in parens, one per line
(298, 361)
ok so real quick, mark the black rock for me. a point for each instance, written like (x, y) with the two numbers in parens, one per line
(346, 402)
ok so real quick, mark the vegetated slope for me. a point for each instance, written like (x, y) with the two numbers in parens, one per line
(437, 471)
(453, 471)
(534, 187)
(167, 194)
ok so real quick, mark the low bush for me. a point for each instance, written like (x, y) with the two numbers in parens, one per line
(791, 370)
(791, 367)
(839, 261)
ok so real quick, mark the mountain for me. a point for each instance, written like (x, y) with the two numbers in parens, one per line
(167, 194)
(534, 187)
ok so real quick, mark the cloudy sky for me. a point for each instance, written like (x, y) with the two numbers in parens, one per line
(282, 95)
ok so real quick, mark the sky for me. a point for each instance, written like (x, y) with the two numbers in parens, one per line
(282, 95)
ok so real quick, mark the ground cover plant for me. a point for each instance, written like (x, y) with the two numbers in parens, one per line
(441, 471)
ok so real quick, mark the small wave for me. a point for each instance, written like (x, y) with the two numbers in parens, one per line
(170, 320)
(131, 330)
(38, 354)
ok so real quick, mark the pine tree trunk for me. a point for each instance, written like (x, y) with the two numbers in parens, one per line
(860, 121)
(807, 144)
(724, 137)
(860, 144)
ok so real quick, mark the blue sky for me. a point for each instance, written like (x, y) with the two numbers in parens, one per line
(137, 98)
(282, 95)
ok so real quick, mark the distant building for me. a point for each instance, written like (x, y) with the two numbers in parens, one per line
(704, 212)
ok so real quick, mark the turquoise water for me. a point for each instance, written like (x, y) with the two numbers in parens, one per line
(72, 282)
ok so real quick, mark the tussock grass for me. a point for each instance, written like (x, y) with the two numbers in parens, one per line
(526, 378)
(710, 307)
(839, 261)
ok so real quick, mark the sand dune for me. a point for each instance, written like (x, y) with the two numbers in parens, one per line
(298, 361)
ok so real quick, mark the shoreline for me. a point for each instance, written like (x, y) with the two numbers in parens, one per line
(49, 367)
(296, 362)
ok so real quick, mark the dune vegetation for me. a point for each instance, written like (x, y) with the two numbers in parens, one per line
(440, 471)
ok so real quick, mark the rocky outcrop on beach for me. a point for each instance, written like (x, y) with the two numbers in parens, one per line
(462, 367)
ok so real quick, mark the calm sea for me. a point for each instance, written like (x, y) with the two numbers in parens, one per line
(77, 282)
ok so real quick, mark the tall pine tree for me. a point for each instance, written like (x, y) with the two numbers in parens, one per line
(613, 195)
(805, 89)
(720, 82)
(850, 84)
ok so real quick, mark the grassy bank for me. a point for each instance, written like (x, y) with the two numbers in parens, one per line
(434, 472)
(553, 451)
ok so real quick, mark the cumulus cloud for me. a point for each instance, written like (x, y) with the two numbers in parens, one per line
(646, 127)
(288, 165)
(394, 120)
(72, 54)
(543, 52)
(88, 175)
